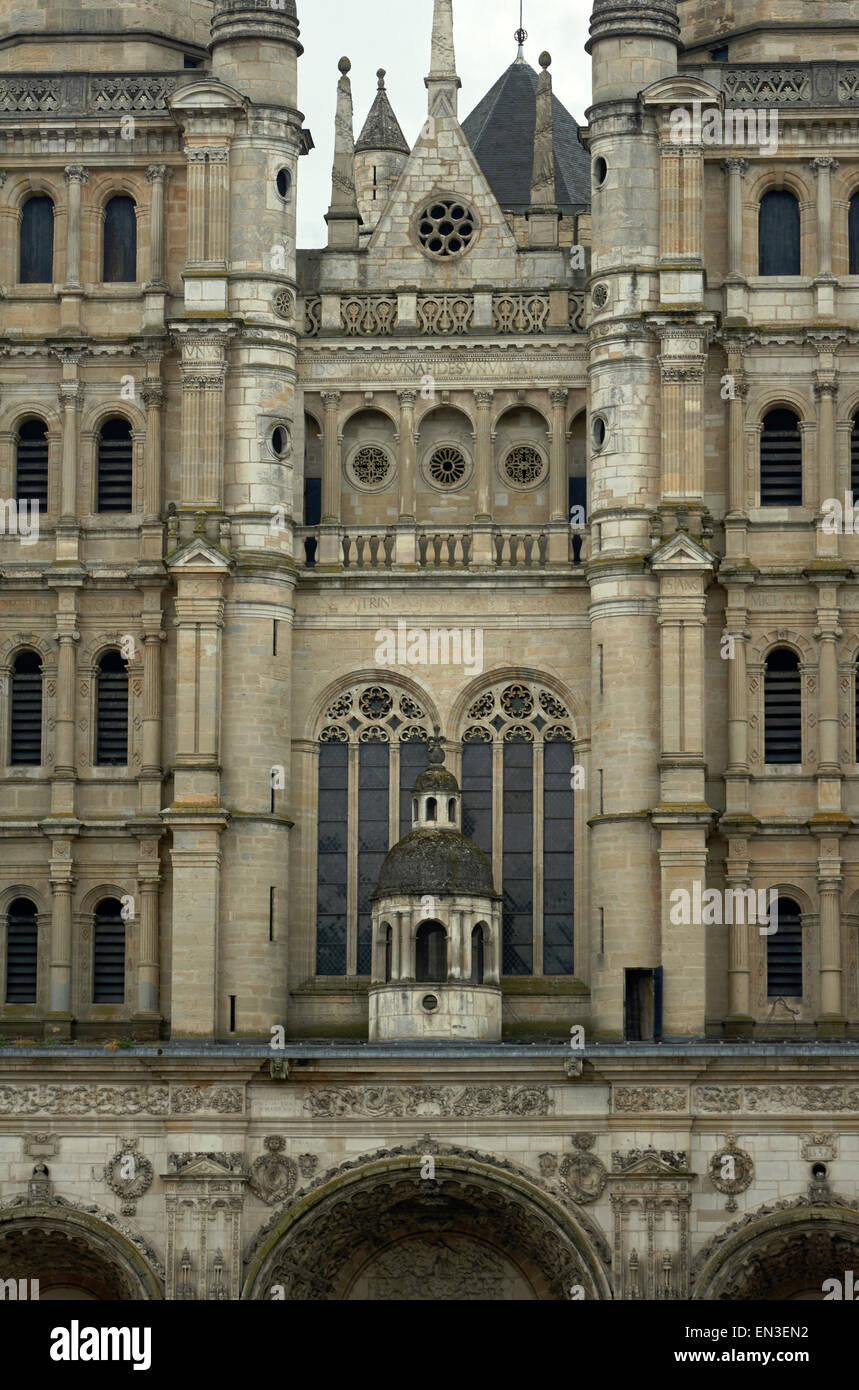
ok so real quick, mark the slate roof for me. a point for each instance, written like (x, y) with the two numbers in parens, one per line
(500, 131)
(381, 128)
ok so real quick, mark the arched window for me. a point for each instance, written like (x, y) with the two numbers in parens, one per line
(784, 952)
(537, 805)
(355, 759)
(31, 465)
(432, 810)
(25, 744)
(21, 952)
(782, 708)
(431, 953)
(112, 711)
(115, 467)
(451, 810)
(108, 972)
(781, 460)
(36, 259)
(854, 460)
(778, 234)
(120, 241)
(478, 953)
(389, 942)
(853, 234)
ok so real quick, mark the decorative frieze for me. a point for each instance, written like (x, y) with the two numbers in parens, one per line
(485, 1101)
(775, 1100)
(89, 93)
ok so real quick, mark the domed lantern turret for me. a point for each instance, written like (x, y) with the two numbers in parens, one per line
(436, 924)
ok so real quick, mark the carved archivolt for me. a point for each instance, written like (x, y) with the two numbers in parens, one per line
(782, 1249)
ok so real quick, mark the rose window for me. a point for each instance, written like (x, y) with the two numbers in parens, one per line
(447, 467)
(446, 227)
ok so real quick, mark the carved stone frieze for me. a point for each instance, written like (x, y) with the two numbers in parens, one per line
(635, 1099)
(369, 1101)
(38, 1098)
(223, 1100)
(775, 1100)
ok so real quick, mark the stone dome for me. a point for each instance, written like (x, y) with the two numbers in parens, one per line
(438, 780)
(435, 861)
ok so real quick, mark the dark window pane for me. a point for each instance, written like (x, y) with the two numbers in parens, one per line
(558, 811)
(120, 241)
(31, 465)
(413, 760)
(477, 795)
(431, 954)
(854, 459)
(111, 748)
(37, 242)
(331, 859)
(109, 953)
(373, 837)
(517, 885)
(312, 501)
(26, 714)
(115, 467)
(781, 460)
(21, 952)
(784, 952)
(779, 239)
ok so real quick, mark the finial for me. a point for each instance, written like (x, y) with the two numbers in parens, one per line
(545, 59)
(381, 76)
(435, 748)
(345, 66)
(521, 33)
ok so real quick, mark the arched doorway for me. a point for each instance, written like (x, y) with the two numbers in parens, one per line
(783, 1256)
(74, 1256)
(389, 1230)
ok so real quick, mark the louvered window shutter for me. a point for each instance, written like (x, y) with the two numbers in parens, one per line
(26, 712)
(21, 952)
(779, 234)
(781, 460)
(784, 952)
(31, 465)
(115, 467)
(112, 712)
(36, 263)
(109, 953)
(782, 708)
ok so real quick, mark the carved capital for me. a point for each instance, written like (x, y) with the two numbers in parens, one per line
(76, 173)
(407, 398)
(331, 399)
(157, 173)
(154, 394)
(70, 394)
(559, 395)
(736, 166)
(825, 162)
(484, 398)
(825, 388)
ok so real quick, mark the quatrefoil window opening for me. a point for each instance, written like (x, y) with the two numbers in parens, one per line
(446, 227)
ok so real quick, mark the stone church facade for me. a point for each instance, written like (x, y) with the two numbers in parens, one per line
(419, 657)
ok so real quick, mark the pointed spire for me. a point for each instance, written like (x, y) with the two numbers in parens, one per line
(521, 35)
(443, 84)
(544, 214)
(343, 217)
(382, 129)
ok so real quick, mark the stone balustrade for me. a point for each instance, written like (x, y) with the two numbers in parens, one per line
(440, 548)
(523, 313)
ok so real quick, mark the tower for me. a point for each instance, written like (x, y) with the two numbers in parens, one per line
(436, 925)
(380, 153)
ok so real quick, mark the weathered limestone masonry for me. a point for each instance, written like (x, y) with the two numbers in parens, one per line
(521, 474)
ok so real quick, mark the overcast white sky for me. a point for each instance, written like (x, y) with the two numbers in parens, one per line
(395, 35)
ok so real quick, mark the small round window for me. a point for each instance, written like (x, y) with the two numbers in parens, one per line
(600, 172)
(280, 441)
(283, 182)
(429, 1003)
(598, 431)
(446, 227)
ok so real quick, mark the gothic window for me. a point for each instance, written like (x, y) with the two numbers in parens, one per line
(431, 954)
(120, 241)
(25, 744)
(518, 806)
(31, 465)
(115, 467)
(374, 745)
(111, 748)
(21, 952)
(784, 952)
(778, 234)
(109, 953)
(781, 460)
(36, 259)
(853, 234)
(782, 707)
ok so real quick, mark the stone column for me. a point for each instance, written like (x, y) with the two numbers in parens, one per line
(62, 887)
(218, 210)
(156, 177)
(831, 1019)
(396, 945)
(559, 520)
(64, 765)
(737, 772)
(826, 393)
(670, 166)
(482, 550)
(823, 170)
(70, 393)
(203, 369)
(828, 632)
(75, 176)
(692, 201)
(406, 542)
(147, 939)
(736, 170)
(154, 396)
(196, 205)
(330, 548)
(152, 703)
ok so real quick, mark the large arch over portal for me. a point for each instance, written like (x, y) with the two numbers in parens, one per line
(75, 1256)
(382, 1231)
(783, 1255)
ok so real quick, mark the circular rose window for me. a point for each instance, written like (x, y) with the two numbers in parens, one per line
(447, 466)
(370, 466)
(524, 465)
(446, 227)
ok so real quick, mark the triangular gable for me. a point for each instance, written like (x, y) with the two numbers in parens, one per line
(681, 552)
(441, 163)
(199, 554)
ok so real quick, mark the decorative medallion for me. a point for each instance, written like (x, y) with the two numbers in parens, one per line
(582, 1173)
(732, 1171)
(524, 466)
(370, 466)
(447, 466)
(273, 1177)
(283, 304)
(600, 296)
(129, 1175)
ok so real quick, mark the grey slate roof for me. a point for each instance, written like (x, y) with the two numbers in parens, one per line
(500, 131)
(381, 128)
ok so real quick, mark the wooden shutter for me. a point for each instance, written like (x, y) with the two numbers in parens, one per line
(109, 954)
(25, 745)
(120, 242)
(31, 465)
(781, 460)
(112, 712)
(779, 234)
(36, 262)
(115, 467)
(21, 952)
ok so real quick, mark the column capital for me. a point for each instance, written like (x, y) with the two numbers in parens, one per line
(825, 388)
(331, 399)
(736, 166)
(824, 163)
(484, 398)
(407, 397)
(76, 173)
(157, 173)
(154, 394)
(72, 635)
(559, 395)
